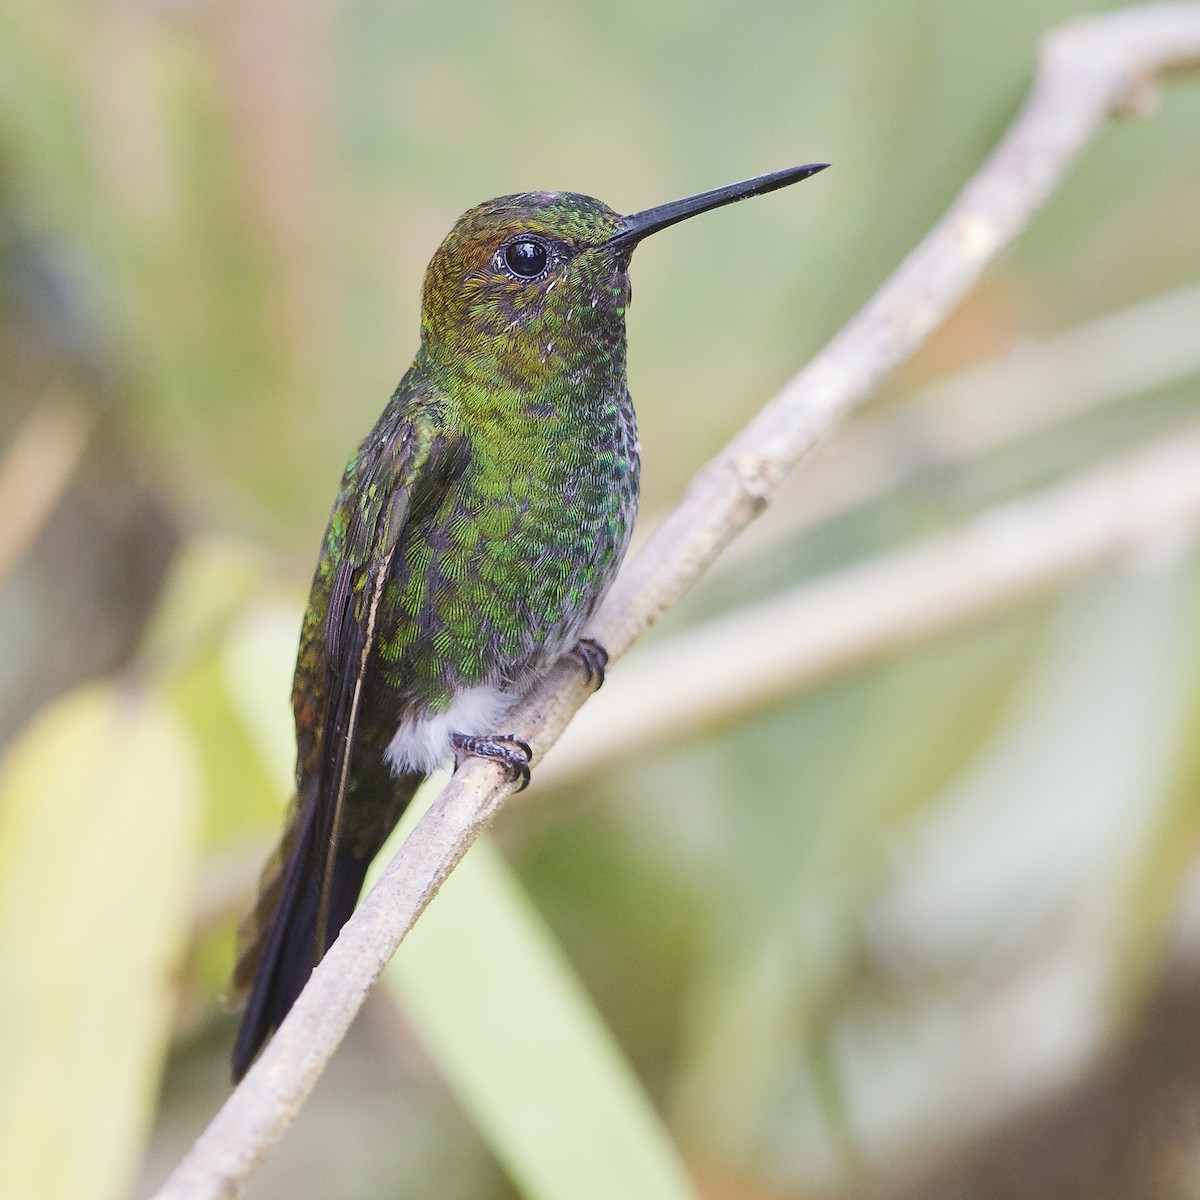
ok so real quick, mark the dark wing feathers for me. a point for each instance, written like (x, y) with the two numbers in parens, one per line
(409, 472)
(402, 470)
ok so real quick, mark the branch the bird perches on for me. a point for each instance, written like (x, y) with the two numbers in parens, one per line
(1089, 69)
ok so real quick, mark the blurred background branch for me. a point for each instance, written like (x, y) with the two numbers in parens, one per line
(1138, 510)
(1020, 393)
(1140, 513)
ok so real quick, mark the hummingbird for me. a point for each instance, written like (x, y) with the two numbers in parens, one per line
(477, 527)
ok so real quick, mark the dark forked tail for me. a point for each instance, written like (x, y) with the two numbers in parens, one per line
(277, 940)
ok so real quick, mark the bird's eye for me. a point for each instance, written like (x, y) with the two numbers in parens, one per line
(526, 258)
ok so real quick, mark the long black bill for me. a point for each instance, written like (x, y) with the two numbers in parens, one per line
(651, 220)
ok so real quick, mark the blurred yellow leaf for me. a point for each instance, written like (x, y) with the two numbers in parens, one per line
(99, 819)
(212, 579)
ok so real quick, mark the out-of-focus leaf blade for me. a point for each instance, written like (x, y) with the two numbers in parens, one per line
(256, 669)
(98, 829)
(502, 1013)
(212, 580)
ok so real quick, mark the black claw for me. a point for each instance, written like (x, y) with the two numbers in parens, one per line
(520, 743)
(594, 658)
(512, 753)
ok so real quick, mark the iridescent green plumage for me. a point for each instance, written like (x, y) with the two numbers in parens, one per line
(477, 528)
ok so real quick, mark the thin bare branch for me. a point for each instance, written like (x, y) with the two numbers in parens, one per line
(1088, 68)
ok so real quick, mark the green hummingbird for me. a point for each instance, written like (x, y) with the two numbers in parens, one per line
(477, 528)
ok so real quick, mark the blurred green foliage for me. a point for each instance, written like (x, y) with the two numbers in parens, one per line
(812, 938)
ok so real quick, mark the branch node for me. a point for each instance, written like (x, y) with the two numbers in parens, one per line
(758, 477)
(1140, 99)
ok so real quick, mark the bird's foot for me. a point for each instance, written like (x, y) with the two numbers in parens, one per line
(513, 753)
(594, 658)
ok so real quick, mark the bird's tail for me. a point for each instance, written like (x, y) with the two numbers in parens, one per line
(277, 945)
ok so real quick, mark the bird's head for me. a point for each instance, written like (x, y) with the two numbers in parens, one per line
(526, 280)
